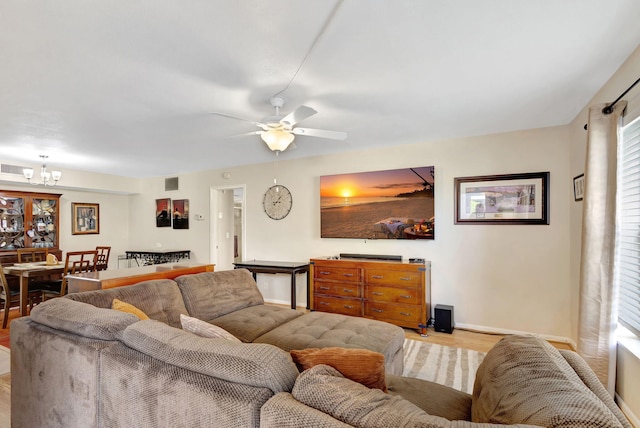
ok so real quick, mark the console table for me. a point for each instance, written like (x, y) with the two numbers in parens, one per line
(98, 280)
(291, 268)
(155, 257)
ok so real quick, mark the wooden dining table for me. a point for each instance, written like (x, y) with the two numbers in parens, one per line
(26, 271)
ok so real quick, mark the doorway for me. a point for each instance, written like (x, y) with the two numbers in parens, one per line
(227, 225)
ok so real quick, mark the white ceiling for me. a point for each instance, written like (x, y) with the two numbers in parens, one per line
(126, 87)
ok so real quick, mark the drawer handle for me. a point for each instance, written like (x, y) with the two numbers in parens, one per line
(347, 274)
(406, 314)
(324, 272)
(379, 311)
(377, 293)
(405, 278)
(324, 303)
(324, 288)
(377, 276)
(405, 297)
(348, 307)
(348, 290)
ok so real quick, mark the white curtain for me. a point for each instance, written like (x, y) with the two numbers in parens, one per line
(598, 296)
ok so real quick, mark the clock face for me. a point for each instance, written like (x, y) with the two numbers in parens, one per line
(277, 202)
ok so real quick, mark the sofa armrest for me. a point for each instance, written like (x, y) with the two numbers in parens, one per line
(592, 382)
(257, 365)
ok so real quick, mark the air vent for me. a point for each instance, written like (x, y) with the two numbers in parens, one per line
(11, 169)
(170, 183)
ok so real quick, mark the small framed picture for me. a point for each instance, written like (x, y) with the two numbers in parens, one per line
(85, 218)
(502, 199)
(578, 187)
(163, 212)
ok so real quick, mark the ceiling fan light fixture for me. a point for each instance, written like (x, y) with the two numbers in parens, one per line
(277, 139)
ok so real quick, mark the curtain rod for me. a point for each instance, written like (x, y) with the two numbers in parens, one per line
(609, 109)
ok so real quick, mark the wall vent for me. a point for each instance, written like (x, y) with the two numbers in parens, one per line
(170, 183)
(11, 169)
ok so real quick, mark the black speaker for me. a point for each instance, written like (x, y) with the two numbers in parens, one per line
(444, 318)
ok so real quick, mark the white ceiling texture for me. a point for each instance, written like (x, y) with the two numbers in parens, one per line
(127, 87)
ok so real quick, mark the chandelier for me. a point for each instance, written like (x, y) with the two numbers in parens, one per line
(45, 176)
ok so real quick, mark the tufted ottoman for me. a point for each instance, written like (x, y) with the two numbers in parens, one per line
(322, 330)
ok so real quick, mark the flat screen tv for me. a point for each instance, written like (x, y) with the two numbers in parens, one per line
(390, 204)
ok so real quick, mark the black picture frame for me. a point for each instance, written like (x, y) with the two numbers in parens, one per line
(578, 187)
(502, 199)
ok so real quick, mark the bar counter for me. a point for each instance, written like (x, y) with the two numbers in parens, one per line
(89, 281)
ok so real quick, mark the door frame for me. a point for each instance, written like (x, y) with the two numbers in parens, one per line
(213, 216)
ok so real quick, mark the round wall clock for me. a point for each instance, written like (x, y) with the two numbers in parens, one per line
(277, 202)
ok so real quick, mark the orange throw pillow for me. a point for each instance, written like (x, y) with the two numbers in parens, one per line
(360, 365)
(119, 305)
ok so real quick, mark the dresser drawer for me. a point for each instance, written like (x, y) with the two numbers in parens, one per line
(394, 277)
(337, 289)
(409, 314)
(409, 296)
(337, 305)
(337, 274)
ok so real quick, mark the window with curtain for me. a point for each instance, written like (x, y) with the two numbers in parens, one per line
(628, 225)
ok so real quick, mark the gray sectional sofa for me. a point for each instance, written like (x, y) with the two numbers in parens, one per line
(77, 363)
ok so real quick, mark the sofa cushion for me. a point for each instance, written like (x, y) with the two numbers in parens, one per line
(82, 319)
(433, 398)
(121, 306)
(359, 365)
(249, 323)
(160, 299)
(524, 379)
(246, 363)
(204, 329)
(324, 330)
(209, 295)
(325, 389)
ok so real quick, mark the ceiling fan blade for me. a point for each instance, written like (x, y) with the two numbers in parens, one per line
(298, 115)
(321, 133)
(236, 118)
(244, 134)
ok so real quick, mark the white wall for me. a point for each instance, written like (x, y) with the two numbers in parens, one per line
(512, 278)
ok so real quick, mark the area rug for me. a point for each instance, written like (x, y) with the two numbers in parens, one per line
(5, 360)
(454, 367)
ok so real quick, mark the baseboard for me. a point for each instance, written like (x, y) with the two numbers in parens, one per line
(628, 412)
(492, 330)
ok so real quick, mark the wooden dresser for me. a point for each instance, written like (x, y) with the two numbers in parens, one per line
(391, 291)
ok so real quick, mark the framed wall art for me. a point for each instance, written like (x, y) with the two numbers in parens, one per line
(502, 199)
(578, 187)
(181, 213)
(85, 218)
(163, 212)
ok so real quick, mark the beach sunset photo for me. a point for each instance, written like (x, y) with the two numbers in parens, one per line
(390, 204)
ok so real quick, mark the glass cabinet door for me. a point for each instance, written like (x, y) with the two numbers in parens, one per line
(12, 219)
(43, 232)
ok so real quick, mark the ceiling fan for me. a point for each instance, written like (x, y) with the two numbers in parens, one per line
(278, 131)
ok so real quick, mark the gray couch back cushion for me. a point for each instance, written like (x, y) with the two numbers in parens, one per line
(160, 299)
(246, 363)
(325, 389)
(524, 379)
(82, 319)
(209, 295)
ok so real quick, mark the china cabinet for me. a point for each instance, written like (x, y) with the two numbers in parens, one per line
(28, 220)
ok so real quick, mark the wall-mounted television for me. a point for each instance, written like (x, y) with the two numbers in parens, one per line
(390, 204)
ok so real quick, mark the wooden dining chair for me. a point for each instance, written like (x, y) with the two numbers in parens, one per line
(75, 262)
(10, 297)
(30, 255)
(103, 257)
